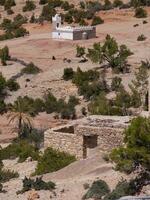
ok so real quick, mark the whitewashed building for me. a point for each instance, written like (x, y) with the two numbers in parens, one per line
(71, 32)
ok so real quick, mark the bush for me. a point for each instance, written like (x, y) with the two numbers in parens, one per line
(50, 103)
(97, 190)
(53, 160)
(141, 38)
(117, 3)
(47, 12)
(6, 175)
(140, 13)
(68, 18)
(122, 189)
(42, 2)
(68, 112)
(10, 12)
(8, 4)
(29, 6)
(38, 184)
(2, 84)
(19, 20)
(97, 20)
(34, 136)
(107, 5)
(21, 149)
(14, 28)
(4, 55)
(68, 74)
(12, 85)
(136, 150)
(1, 188)
(116, 83)
(31, 69)
(88, 76)
(3, 107)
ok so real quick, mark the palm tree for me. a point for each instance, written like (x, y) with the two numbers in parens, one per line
(20, 116)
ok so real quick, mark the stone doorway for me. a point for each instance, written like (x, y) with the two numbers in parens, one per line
(89, 144)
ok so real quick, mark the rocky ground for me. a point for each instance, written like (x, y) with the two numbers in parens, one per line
(39, 48)
(69, 181)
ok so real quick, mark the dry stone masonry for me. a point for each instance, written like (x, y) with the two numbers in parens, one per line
(82, 137)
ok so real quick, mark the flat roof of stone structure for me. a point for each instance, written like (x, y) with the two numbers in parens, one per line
(106, 121)
(97, 121)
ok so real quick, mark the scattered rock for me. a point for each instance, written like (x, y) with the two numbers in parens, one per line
(33, 195)
(29, 159)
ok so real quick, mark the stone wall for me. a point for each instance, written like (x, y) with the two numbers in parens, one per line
(108, 138)
(78, 35)
(66, 142)
(71, 138)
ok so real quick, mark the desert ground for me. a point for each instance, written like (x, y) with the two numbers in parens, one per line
(39, 48)
(69, 181)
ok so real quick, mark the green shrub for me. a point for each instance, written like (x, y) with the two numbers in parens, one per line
(98, 189)
(31, 69)
(21, 149)
(10, 12)
(68, 18)
(12, 85)
(2, 83)
(116, 83)
(42, 2)
(14, 28)
(140, 13)
(68, 74)
(30, 106)
(97, 20)
(47, 12)
(29, 6)
(141, 38)
(4, 55)
(136, 150)
(6, 175)
(8, 4)
(33, 19)
(87, 76)
(37, 184)
(117, 3)
(68, 112)
(33, 136)
(50, 103)
(122, 189)
(110, 52)
(107, 5)
(20, 19)
(3, 107)
(53, 160)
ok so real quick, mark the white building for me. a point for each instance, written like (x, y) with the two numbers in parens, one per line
(71, 33)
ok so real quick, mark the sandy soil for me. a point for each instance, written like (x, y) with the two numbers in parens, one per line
(69, 181)
(39, 48)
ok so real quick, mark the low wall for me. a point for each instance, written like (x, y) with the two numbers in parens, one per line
(66, 142)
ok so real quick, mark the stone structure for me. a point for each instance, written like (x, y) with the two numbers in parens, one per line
(135, 198)
(70, 32)
(82, 137)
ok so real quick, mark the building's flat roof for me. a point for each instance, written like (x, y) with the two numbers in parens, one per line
(106, 121)
(74, 29)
